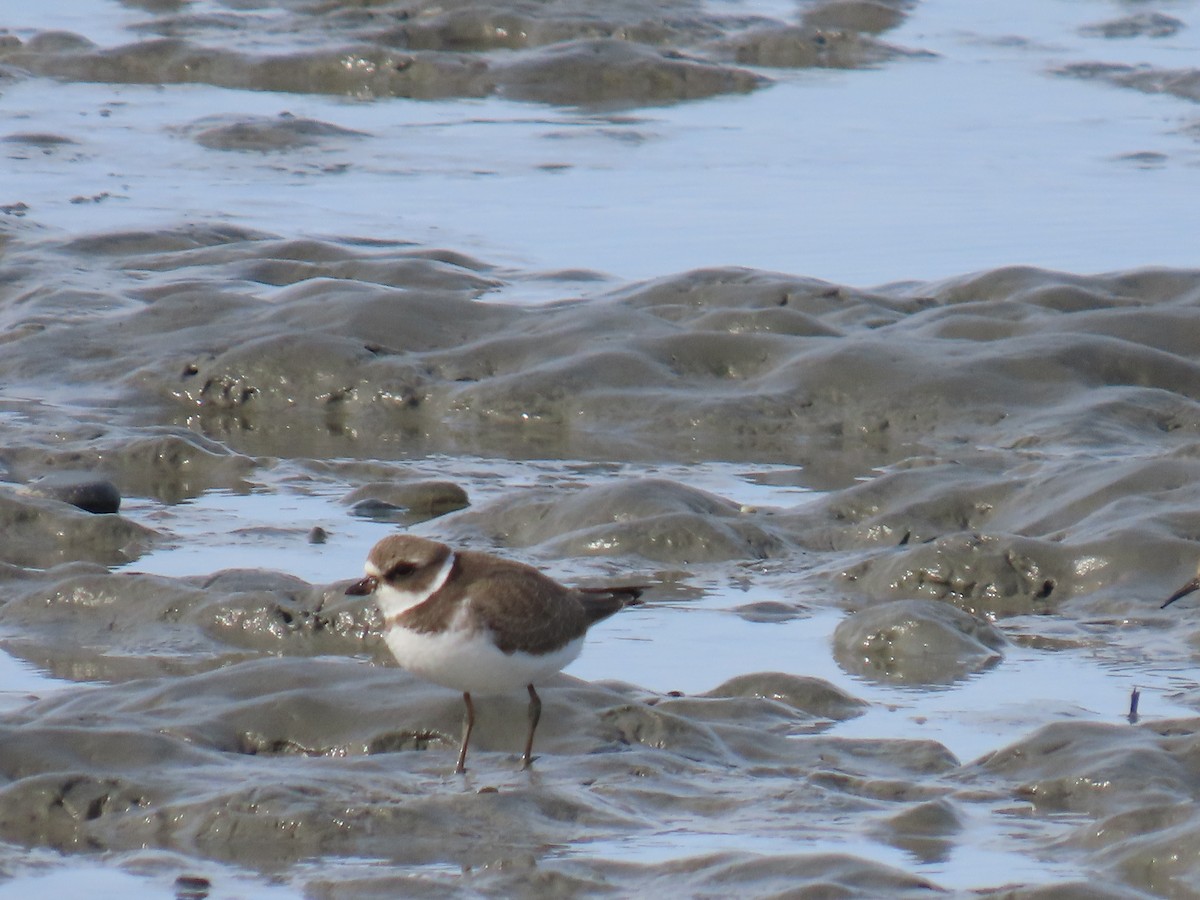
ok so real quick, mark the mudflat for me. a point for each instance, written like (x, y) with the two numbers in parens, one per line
(904, 544)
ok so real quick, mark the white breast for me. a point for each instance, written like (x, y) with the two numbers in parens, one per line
(470, 661)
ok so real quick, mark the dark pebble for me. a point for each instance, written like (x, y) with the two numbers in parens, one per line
(192, 887)
(86, 490)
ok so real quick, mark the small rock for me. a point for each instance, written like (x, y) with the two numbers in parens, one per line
(390, 501)
(768, 611)
(1152, 24)
(916, 642)
(90, 492)
(192, 887)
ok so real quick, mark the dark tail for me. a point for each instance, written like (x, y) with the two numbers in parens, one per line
(602, 602)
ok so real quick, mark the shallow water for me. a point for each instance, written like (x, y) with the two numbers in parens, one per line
(977, 159)
(45, 876)
(261, 529)
(247, 336)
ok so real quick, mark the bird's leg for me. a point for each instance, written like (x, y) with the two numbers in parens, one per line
(535, 713)
(468, 724)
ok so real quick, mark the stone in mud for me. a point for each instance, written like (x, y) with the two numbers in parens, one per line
(795, 47)
(746, 724)
(40, 139)
(906, 505)
(474, 29)
(768, 611)
(408, 273)
(654, 518)
(920, 507)
(553, 395)
(1183, 83)
(314, 714)
(384, 321)
(466, 29)
(173, 464)
(773, 320)
(606, 71)
(660, 729)
(675, 538)
(1050, 501)
(1153, 848)
(58, 42)
(417, 499)
(161, 241)
(814, 696)
(1063, 890)
(868, 16)
(687, 296)
(1094, 768)
(263, 134)
(927, 829)
(86, 490)
(983, 574)
(233, 247)
(703, 875)
(66, 811)
(916, 642)
(1147, 24)
(878, 769)
(84, 624)
(168, 464)
(700, 355)
(257, 609)
(746, 729)
(599, 69)
(815, 875)
(287, 370)
(358, 71)
(95, 741)
(40, 532)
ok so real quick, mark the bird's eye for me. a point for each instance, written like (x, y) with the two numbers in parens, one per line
(400, 570)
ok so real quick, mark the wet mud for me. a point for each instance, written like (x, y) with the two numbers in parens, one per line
(974, 480)
(251, 717)
(561, 53)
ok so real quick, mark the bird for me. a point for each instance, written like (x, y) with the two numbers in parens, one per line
(479, 623)
(1192, 585)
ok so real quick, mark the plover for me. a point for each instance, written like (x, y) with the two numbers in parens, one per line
(478, 623)
(1193, 585)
